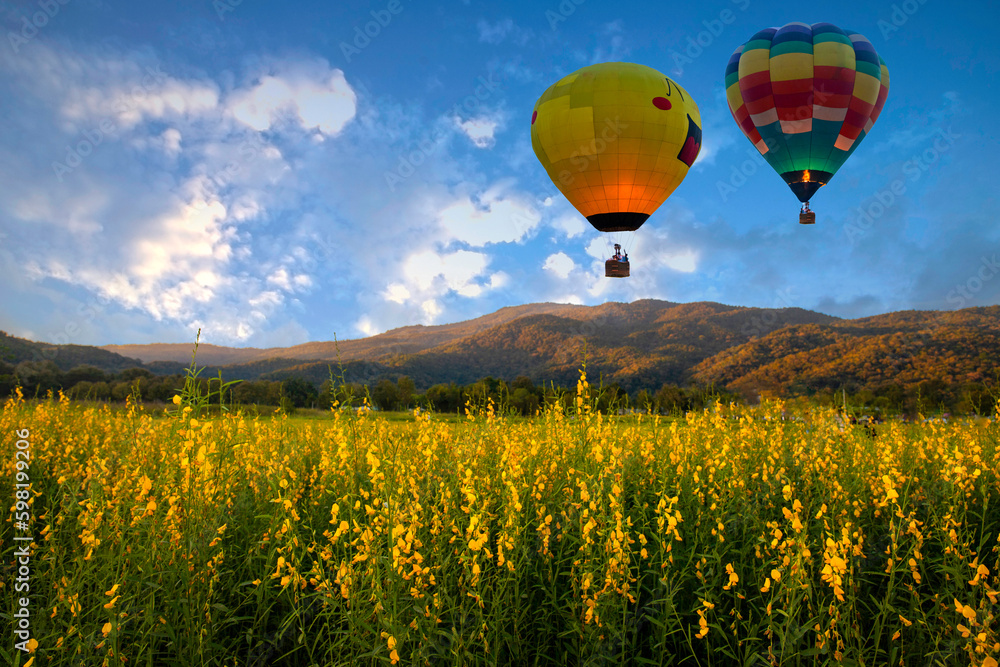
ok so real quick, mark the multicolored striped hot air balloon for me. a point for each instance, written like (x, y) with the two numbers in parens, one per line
(616, 139)
(806, 95)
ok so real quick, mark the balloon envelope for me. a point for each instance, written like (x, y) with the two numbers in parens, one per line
(806, 95)
(616, 139)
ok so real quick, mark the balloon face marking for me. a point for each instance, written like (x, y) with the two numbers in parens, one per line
(692, 144)
(534, 115)
(662, 103)
(670, 87)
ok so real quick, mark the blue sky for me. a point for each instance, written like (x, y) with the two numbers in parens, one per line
(269, 173)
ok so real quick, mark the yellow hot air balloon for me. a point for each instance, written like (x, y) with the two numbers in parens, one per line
(616, 139)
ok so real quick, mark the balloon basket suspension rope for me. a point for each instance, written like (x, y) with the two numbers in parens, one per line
(807, 216)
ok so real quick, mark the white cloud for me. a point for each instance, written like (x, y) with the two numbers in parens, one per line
(499, 279)
(205, 240)
(598, 247)
(568, 298)
(685, 261)
(453, 271)
(174, 98)
(280, 278)
(323, 101)
(179, 261)
(494, 220)
(479, 130)
(560, 264)
(365, 326)
(431, 309)
(571, 225)
(494, 33)
(427, 278)
(119, 93)
(397, 293)
(171, 141)
(612, 46)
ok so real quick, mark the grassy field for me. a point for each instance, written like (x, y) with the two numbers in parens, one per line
(729, 537)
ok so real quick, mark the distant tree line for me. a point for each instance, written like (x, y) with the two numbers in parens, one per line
(519, 396)
(927, 397)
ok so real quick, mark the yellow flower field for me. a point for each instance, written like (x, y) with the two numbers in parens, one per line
(727, 537)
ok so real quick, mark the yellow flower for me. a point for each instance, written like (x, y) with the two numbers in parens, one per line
(106, 629)
(982, 571)
(703, 624)
(733, 577)
(177, 400)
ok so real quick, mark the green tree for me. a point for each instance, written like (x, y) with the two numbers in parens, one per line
(524, 401)
(81, 373)
(643, 400)
(130, 374)
(405, 388)
(670, 398)
(253, 393)
(445, 397)
(301, 392)
(386, 394)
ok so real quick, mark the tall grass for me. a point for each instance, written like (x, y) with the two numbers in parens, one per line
(729, 537)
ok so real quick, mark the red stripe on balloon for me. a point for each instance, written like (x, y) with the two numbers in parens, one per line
(883, 92)
(793, 86)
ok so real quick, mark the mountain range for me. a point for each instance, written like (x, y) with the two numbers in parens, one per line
(642, 344)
